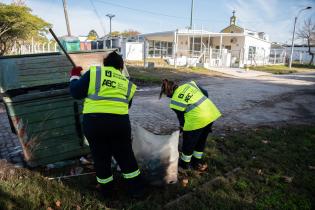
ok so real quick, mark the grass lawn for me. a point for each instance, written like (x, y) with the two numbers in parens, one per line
(142, 75)
(282, 69)
(276, 171)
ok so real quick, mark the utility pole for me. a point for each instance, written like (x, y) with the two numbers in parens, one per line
(66, 16)
(110, 16)
(292, 45)
(191, 14)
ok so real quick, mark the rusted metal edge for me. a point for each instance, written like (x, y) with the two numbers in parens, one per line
(41, 88)
(37, 95)
(53, 53)
(29, 55)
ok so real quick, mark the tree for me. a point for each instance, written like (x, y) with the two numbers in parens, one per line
(130, 32)
(125, 33)
(115, 33)
(306, 33)
(18, 24)
(92, 35)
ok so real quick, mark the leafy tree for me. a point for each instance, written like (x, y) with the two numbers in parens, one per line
(306, 33)
(92, 35)
(115, 33)
(130, 32)
(125, 33)
(17, 24)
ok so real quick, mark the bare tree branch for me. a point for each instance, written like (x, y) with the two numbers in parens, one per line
(306, 33)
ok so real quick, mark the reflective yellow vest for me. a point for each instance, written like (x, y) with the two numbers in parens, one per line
(199, 110)
(109, 91)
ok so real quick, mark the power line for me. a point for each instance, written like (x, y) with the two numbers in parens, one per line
(99, 17)
(176, 17)
(150, 12)
(139, 10)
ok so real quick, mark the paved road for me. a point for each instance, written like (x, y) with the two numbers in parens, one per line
(244, 102)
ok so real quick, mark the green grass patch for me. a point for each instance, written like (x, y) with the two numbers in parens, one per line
(305, 66)
(276, 173)
(147, 76)
(282, 69)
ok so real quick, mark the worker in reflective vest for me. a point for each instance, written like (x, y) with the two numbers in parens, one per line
(107, 95)
(196, 114)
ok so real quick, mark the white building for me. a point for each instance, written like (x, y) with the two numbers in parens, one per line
(234, 46)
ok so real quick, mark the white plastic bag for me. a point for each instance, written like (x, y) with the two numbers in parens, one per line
(157, 155)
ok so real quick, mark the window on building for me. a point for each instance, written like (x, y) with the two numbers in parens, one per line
(151, 48)
(195, 43)
(169, 48)
(160, 48)
(157, 49)
(251, 52)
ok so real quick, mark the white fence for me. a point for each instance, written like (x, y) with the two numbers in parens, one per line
(228, 58)
(33, 47)
(302, 56)
(277, 56)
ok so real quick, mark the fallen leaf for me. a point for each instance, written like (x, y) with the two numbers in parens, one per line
(185, 182)
(58, 203)
(259, 172)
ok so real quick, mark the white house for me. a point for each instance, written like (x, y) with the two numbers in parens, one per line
(234, 46)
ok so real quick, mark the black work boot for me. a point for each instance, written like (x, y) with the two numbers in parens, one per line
(135, 187)
(182, 165)
(198, 164)
(107, 190)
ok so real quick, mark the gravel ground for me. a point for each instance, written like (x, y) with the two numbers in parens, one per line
(272, 100)
(243, 102)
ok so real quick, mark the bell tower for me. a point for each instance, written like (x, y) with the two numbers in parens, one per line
(233, 19)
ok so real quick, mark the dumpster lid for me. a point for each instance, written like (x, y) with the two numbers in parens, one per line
(26, 71)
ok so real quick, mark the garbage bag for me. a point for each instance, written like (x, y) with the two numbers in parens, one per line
(157, 155)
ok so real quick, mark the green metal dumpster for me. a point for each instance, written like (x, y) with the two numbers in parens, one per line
(47, 124)
(70, 43)
(46, 119)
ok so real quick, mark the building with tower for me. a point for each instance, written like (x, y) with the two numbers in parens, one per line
(233, 46)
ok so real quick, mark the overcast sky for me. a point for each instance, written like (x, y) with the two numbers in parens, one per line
(275, 17)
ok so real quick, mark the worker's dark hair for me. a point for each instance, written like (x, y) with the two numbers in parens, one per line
(115, 60)
(168, 88)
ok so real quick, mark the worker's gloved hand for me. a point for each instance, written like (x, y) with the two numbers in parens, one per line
(75, 73)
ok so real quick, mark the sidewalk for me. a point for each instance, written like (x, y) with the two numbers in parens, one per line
(237, 72)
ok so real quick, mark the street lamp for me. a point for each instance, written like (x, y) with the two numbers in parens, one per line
(110, 16)
(292, 45)
(191, 14)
